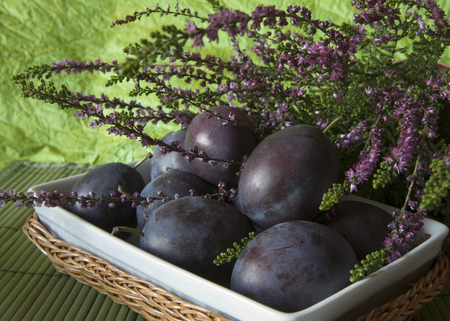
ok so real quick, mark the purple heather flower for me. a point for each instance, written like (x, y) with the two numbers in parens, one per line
(198, 41)
(355, 136)
(394, 256)
(446, 160)
(402, 154)
(72, 66)
(321, 123)
(230, 96)
(369, 158)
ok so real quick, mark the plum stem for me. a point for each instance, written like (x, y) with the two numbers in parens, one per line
(148, 156)
(123, 191)
(119, 229)
(334, 122)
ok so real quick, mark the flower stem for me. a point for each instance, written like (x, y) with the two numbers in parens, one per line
(334, 122)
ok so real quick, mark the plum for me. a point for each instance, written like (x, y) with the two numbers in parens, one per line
(293, 265)
(226, 142)
(363, 225)
(102, 181)
(161, 163)
(191, 231)
(170, 183)
(286, 175)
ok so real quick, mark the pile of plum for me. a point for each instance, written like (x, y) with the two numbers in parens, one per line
(295, 260)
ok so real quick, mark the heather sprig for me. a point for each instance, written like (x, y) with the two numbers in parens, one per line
(408, 219)
(372, 263)
(169, 41)
(68, 66)
(56, 198)
(369, 158)
(232, 253)
(120, 123)
(438, 184)
(157, 9)
(384, 175)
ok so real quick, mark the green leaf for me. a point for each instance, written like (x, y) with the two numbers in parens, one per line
(233, 253)
(437, 186)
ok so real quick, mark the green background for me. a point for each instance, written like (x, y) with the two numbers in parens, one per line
(42, 31)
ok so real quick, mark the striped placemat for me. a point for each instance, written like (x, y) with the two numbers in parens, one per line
(30, 287)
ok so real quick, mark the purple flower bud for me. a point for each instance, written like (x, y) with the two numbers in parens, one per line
(413, 205)
(392, 225)
(418, 226)
(404, 246)
(446, 160)
(410, 236)
(388, 242)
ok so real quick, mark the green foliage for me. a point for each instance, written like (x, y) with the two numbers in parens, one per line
(38, 72)
(383, 175)
(232, 253)
(46, 92)
(216, 5)
(372, 263)
(333, 195)
(437, 185)
(144, 54)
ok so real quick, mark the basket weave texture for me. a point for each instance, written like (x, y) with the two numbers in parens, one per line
(155, 303)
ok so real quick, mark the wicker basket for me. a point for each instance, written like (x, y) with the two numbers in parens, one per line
(155, 303)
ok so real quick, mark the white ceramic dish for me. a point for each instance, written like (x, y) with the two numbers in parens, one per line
(348, 304)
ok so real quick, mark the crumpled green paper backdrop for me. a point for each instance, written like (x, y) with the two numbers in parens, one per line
(42, 31)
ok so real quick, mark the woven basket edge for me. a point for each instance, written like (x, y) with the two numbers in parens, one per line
(33, 225)
(374, 315)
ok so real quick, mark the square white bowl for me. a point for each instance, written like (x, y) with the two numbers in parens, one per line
(347, 304)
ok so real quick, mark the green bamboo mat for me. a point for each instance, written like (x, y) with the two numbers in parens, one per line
(31, 288)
